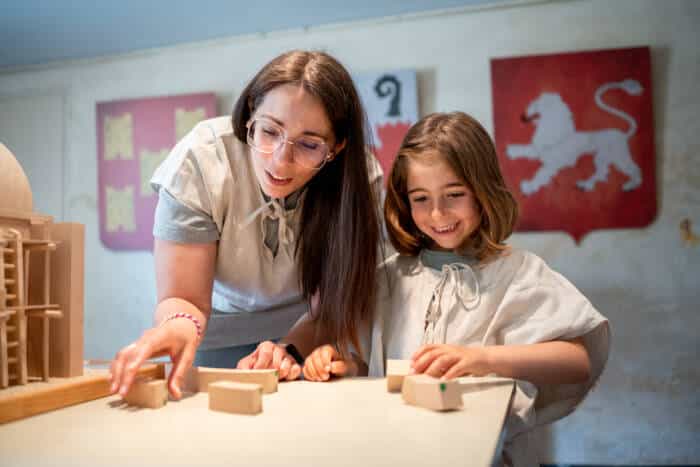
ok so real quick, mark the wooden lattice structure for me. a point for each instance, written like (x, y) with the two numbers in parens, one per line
(41, 277)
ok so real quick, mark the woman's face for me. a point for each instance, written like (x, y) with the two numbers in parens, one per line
(299, 114)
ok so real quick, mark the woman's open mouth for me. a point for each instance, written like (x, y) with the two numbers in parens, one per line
(279, 181)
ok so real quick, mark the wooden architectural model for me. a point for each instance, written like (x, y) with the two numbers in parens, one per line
(41, 278)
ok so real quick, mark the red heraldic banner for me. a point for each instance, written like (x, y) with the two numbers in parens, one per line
(574, 134)
(133, 138)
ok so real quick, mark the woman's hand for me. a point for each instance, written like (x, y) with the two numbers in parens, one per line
(176, 338)
(325, 361)
(450, 361)
(271, 355)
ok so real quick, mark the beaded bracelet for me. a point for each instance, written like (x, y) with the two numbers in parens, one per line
(186, 316)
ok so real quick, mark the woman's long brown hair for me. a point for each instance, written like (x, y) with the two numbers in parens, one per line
(339, 235)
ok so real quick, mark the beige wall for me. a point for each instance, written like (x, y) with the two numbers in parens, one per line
(646, 409)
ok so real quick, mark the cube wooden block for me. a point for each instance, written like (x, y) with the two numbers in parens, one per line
(232, 397)
(199, 378)
(396, 370)
(432, 393)
(149, 393)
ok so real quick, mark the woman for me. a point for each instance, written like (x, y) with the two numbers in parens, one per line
(260, 215)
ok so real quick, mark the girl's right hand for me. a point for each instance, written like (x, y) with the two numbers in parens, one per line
(176, 338)
(325, 362)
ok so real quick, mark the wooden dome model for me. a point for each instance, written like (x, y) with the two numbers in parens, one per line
(17, 193)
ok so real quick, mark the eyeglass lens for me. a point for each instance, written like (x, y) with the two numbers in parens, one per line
(268, 137)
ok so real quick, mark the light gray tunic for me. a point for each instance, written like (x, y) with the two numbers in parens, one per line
(209, 192)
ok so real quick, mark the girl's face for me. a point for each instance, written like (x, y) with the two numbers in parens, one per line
(442, 206)
(298, 114)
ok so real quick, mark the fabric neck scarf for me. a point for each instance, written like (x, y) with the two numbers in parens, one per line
(277, 216)
(457, 286)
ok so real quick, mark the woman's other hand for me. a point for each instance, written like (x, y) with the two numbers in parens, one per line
(271, 355)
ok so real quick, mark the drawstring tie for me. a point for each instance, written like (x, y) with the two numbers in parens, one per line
(465, 290)
(274, 211)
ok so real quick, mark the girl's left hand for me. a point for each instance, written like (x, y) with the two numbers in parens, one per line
(450, 361)
(325, 362)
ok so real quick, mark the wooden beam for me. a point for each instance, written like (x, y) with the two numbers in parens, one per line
(71, 391)
(198, 378)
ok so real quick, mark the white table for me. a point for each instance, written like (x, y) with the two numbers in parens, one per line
(344, 422)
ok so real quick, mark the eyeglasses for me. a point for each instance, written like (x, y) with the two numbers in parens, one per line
(267, 137)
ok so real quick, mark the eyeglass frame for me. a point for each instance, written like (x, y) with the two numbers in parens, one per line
(286, 140)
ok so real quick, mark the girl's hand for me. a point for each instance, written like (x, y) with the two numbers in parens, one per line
(176, 338)
(450, 361)
(271, 355)
(325, 361)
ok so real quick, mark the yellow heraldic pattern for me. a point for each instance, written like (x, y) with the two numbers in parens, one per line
(120, 209)
(185, 120)
(149, 162)
(119, 137)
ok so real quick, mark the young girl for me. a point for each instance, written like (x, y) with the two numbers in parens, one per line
(459, 301)
(257, 214)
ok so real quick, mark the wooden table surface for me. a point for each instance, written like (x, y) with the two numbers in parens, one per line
(344, 422)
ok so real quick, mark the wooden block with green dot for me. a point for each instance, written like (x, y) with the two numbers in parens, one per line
(432, 393)
(199, 378)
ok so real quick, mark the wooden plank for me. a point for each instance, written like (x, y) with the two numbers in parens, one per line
(197, 379)
(67, 290)
(33, 218)
(71, 391)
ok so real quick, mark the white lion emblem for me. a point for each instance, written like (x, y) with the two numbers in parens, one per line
(558, 145)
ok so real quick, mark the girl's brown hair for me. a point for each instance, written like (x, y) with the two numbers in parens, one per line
(337, 245)
(462, 142)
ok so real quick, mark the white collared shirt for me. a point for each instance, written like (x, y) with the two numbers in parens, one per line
(515, 299)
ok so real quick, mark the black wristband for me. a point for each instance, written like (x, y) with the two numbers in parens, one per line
(294, 352)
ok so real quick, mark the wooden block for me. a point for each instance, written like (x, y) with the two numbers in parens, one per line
(199, 378)
(396, 370)
(150, 393)
(52, 396)
(242, 398)
(432, 393)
